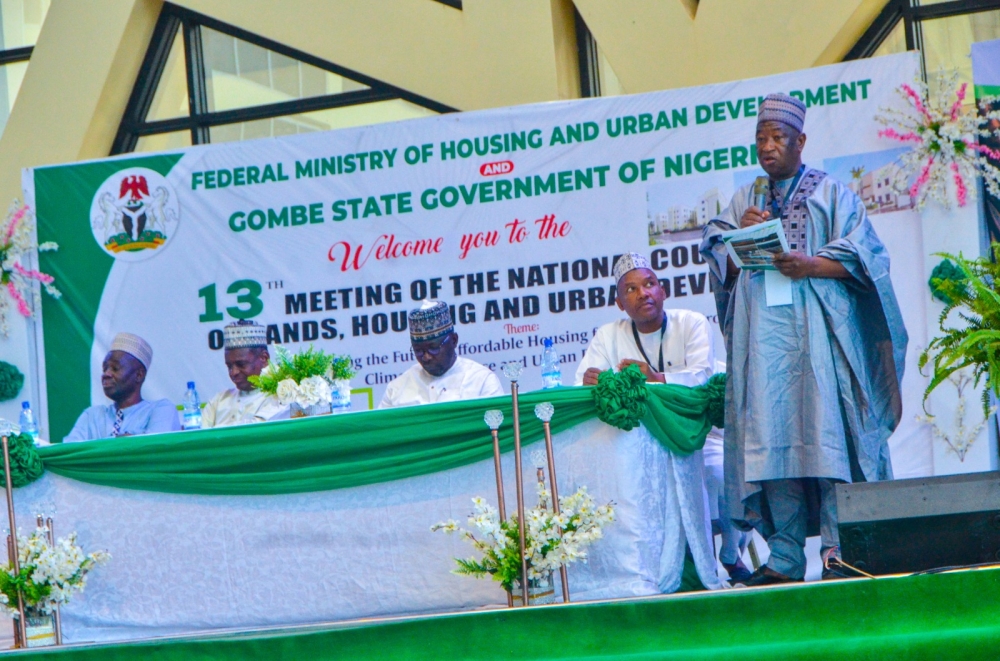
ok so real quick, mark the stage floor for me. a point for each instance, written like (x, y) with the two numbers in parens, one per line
(932, 616)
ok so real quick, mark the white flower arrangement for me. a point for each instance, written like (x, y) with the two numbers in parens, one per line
(945, 142)
(304, 379)
(17, 242)
(50, 573)
(313, 390)
(551, 541)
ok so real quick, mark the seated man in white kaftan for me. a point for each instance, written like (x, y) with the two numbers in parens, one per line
(813, 388)
(245, 353)
(439, 375)
(669, 346)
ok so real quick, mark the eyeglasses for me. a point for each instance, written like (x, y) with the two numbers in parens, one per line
(429, 351)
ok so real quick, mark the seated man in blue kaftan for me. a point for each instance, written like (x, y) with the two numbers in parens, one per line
(813, 389)
(128, 414)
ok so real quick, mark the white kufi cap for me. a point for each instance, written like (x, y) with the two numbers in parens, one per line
(134, 346)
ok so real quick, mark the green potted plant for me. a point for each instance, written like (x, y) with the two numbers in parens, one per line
(972, 292)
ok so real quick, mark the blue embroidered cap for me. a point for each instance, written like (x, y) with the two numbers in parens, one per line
(430, 321)
(782, 108)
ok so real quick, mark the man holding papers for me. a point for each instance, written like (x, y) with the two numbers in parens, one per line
(814, 371)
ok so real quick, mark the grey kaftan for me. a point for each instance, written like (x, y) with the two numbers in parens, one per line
(813, 387)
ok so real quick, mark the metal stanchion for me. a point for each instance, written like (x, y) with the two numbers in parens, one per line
(493, 419)
(512, 371)
(50, 535)
(12, 522)
(544, 413)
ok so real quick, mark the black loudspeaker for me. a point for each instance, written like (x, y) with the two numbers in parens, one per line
(912, 525)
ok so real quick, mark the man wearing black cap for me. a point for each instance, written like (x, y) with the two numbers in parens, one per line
(439, 375)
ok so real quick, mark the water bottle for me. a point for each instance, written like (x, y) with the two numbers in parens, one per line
(27, 422)
(551, 374)
(192, 408)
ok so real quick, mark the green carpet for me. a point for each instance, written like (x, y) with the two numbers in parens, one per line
(942, 616)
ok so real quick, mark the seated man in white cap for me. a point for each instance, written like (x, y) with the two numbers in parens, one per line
(129, 414)
(669, 346)
(246, 355)
(439, 375)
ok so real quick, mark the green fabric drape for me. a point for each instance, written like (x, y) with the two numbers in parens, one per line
(25, 464)
(336, 452)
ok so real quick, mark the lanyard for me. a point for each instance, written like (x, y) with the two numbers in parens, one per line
(779, 214)
(663, 334)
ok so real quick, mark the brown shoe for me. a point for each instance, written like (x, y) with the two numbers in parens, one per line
(766, 576)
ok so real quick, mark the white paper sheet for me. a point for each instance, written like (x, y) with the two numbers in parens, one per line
(777, 288)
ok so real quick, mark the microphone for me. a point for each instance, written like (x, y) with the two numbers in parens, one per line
(760, 186)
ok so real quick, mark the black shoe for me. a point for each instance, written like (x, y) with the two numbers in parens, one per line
(835, 570)
(738, 573)
(765, 576)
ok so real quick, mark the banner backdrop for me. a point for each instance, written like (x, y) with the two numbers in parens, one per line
(513, 216)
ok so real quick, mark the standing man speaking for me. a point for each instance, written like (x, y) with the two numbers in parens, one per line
(813, 388)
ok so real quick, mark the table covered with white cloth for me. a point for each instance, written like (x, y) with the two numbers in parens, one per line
(187, 562)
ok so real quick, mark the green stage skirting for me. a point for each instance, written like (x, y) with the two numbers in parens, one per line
(940, 616)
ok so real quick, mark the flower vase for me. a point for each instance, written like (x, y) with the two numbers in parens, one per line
(341, 393)
(298, 411)
(40, 628)
(541, 591)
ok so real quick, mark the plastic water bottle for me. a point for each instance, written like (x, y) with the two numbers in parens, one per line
(551, 373)
(27, 422)
(192, 408)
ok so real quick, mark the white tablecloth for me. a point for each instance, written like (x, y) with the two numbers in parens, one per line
(192, 563)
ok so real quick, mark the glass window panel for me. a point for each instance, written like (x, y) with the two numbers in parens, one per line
(610, 85)
(21, 21)
(894, 42)
(11, 76)
(171, 97)
(320, 120)
(948, 41)
(242, 75)
(164, 141)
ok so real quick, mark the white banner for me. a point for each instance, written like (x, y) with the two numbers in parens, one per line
(513, 216)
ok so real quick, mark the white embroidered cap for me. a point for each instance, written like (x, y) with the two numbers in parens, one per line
(134, 346)
(630, 261)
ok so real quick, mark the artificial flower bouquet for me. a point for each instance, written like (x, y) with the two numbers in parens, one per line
(551, 540)
(305, 379)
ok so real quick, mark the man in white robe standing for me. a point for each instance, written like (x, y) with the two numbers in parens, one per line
(246, 355)
(440, 375)
(813, 388)
(669, 347)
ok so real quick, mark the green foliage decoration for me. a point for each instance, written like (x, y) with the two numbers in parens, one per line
(11, 381)
(299, 366)
(974, 344)
(25, 463)
(946, 272)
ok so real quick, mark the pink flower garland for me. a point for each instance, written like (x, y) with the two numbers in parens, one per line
(918, 103)
(15, 219)
(924, 177)
(902, 137)
(957, 106)
(22, 305)
(961, 192)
